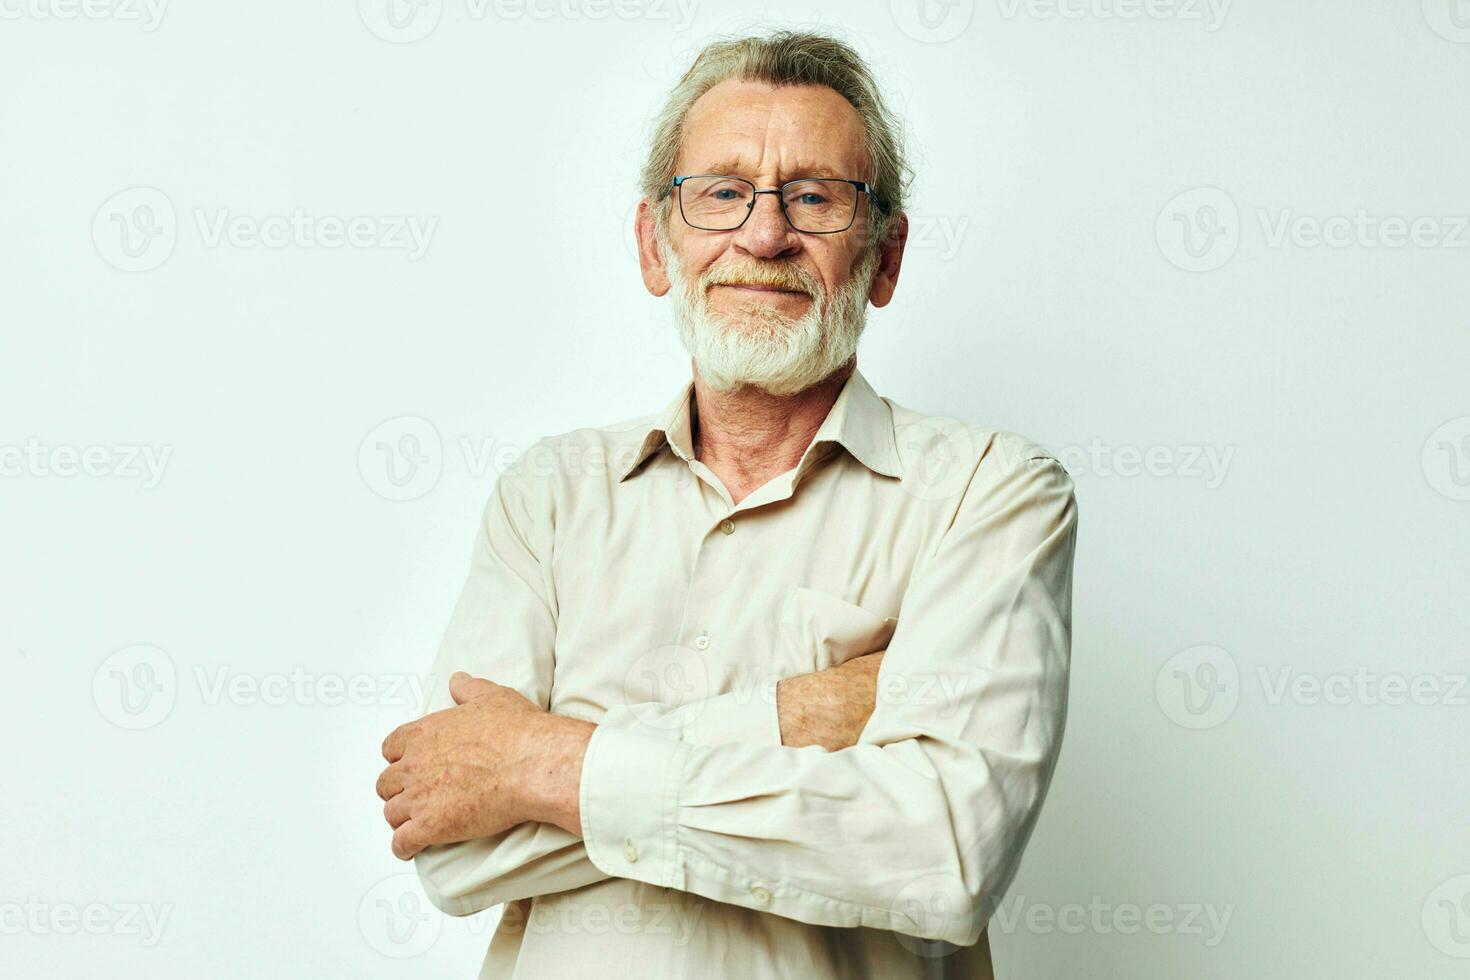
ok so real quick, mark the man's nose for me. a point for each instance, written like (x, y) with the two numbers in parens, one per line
(767, 233)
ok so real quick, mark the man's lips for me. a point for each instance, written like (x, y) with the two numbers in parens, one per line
(756, 287)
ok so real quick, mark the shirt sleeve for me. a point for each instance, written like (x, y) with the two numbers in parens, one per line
(504, 628)
(919, 828)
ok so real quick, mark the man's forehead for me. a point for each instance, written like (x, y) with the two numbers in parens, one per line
(739, 127)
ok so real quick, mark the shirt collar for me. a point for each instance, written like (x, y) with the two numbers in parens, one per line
(859, 421)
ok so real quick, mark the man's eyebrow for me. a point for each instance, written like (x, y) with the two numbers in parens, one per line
(735, 168)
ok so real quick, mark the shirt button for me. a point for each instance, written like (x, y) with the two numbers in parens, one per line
(630, 852)
(728, 526)
(761, 895)
(701, 642)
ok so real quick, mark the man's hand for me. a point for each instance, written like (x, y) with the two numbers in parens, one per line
(828, 708)
(493, 761)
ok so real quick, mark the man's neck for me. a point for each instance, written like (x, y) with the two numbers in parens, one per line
(748, 436)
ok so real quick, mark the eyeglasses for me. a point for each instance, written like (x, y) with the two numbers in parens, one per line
(812, 205)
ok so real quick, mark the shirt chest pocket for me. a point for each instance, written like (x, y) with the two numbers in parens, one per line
(818, 630)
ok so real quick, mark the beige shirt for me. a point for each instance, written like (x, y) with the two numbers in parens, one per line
(614, 580)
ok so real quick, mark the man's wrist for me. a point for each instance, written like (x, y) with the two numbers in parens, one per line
(830, 707)
(553, 786)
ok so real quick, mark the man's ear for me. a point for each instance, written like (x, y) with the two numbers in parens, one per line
(655, 276)
(885, 280)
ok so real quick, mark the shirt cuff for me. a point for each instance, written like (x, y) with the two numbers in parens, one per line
(736, 716)
(742, 716)
(630, 799)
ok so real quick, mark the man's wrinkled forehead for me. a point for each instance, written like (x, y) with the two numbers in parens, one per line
(753, 129)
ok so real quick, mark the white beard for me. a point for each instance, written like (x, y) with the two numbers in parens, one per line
(760, 346)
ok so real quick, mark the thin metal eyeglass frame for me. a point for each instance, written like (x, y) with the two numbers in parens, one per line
(862, 186)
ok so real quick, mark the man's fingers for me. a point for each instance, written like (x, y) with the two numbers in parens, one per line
(393, 744)
(406, 842)
(463, 687)
(395, 811)
(390, 782)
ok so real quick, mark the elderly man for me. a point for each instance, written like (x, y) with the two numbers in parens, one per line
(770, 683)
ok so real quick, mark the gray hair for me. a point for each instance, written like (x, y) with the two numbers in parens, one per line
(786, 58)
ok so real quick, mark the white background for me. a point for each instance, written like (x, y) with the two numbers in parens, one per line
(1058, 284)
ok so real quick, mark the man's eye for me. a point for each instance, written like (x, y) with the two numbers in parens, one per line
(811, 198)
(726, 191)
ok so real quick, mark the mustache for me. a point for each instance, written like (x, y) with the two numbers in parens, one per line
(778, 275)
